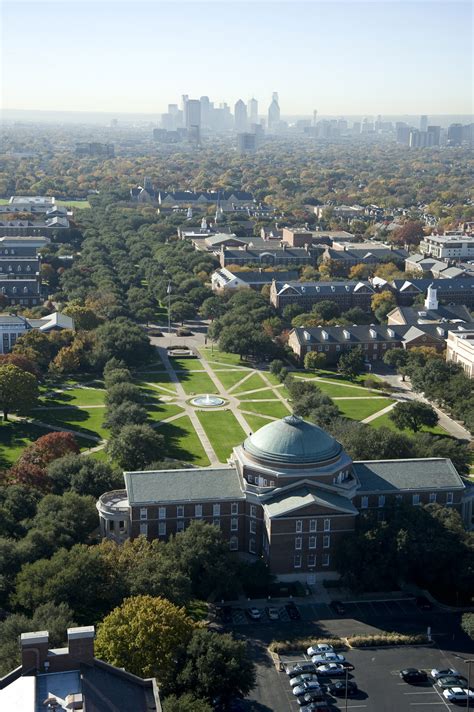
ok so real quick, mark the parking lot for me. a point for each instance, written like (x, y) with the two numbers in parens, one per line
(376, 672)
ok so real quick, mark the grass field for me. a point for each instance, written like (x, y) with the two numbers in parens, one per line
(182, 442)
(361, 409)
(266, 393)
(221, 356)
(14, 437)
(276, 409)
(163, 411)
(230, 378)
(84, 420)
(386, 422)
(334, 390)
(74, 203)
(186, 364)
(75, 396)
(255, 381)
(223, 430)
(197, 383)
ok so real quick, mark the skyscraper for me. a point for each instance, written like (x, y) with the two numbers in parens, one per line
(253, 111)
(192, 113)
(274, 112)
(423, 123)
(240, 116)
(315, 117)
(205, 111)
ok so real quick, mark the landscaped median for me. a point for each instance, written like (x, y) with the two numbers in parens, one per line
(383, 639)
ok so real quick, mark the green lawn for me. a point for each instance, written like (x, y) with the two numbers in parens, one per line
(276, 409)
(74, 203)
(386, 422)
(274, 380)
(266, 393)
(255, 381)
(163, 411)
(255, 421)
(84, 420)
(76, 396)
(229, 378)
(182, 442)
(335, 390)
(221, 356)
(186, 364)
(361, 409)
(223, 430)
(160, 381)
(197, 383)
(14, 437)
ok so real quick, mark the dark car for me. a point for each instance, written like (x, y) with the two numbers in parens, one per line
(292, 611)
(300, 669)
(423, 603)
(226, 614)
(312, 696)
(337, 607)
(339, 688)
(413, 676)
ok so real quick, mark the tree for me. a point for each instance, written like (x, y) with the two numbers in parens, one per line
(361, 271)
(413, 415)
(429, 445)
(123, 339)
(18, 390)
(276, 366)
(181, 310)
(123, 392)
(410, 234)
(467, 624)
(117, 375)
(144, 635)
(66, 361)
(212, 308)
(35, 345)
(382, 303)
(84, 318)
(186, 703)
(358, 316)
(48, 448)
(22, 362)
(326, 309)
(314, 360)
(351, 363)
(246, 341)
(83, 475)
(134, 446)
(216, 666)
(127, 413)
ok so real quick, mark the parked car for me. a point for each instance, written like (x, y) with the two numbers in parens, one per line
(183, 331)
(306, 687)
(339, 688)
(423, 603)
(458, 694)
(315, 707)
(305, 677)
(254, 613)
(330, 669)
(319, 648)
(273, 613)
(312, 696)
(299, 669)
(435, 673)
(451, 681)
(328, 658)
(292, 611)
(337, 607)
(413, 676)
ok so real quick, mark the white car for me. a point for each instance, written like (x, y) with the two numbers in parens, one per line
(458, 694)
(444, 672)
(330, 669)
(327, 658)
(301, 679)
(319, 648)
(307, 687)
(254, 613)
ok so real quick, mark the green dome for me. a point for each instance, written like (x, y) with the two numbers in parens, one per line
(292, 440)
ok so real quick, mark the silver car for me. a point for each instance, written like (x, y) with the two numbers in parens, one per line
(306, 687)
(327, 658)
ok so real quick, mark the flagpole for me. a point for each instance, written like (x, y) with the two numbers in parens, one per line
(169, 308)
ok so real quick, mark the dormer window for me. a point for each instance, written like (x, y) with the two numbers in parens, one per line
(347, 334)
(391, 333)
(325, 335)
(333, 288)
(373, 333)
(307, 335)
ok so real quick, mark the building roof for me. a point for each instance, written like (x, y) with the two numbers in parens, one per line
(197, 484)
(221, 238)
(13, 320)
(272, 249)
(443, 286)
(421, 315)
(292, 440)
(285, 503)
(350, 334)
(56, 320)
(326, 288)
(253, 277)
(420, 474)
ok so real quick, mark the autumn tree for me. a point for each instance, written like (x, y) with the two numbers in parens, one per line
(314, 360)
(84, 318)
(382, 303)
(18, 390)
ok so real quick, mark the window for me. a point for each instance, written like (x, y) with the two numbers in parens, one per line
(297, 561)
(234, 525)
(253, 526)
(326, 542)
(449, 497)
(143, 513)
(217, 522)
(298, 542)
(122, 526)
(312, 525)
(198, 510)
(382, 500)
(326, 559)
(253, 510)
(364, 503)
(216, 510)
(311, 559)
(162, 528)
(299, 526)
(252, 546)
(111, 525)
(327, 525)
(234, 543)
(180, 526)
(432, 497)
(416, 499)
(161, 512)
(234, 508)
(180, 511)
(312, 542)
(399, 498)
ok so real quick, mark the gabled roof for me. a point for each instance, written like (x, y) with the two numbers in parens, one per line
(328, 288)
(420, 474)
(186, 485)
(285, 503)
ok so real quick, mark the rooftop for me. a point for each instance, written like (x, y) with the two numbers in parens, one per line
(288, 502)
(420, 474)
(197, 484)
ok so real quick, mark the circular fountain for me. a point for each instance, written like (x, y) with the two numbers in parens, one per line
(207, 401)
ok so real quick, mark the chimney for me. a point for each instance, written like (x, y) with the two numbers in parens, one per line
(81, 643)
(34, 650)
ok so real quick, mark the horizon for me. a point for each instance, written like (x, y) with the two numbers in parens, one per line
(378, 60)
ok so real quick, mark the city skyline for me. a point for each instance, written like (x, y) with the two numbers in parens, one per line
(342, 58)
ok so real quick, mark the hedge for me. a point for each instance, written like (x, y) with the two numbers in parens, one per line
(371, 641)
(290, 646)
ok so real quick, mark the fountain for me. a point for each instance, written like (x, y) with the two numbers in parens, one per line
(208, 401)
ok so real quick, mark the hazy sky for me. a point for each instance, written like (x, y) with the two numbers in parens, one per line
(339, 57)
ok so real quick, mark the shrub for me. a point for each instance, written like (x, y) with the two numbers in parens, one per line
(371, 641)
(298, 644)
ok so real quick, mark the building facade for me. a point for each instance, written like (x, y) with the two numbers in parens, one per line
(460, 349)
(452, 245)
(288, 494)
(306, 294)
(20, 280)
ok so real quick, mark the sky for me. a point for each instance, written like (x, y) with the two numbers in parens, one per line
(342, 58)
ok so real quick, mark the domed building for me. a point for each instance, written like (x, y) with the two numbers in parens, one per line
(288, 493)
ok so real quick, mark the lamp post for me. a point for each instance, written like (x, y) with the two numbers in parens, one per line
(468, 663)
(347, 679)
(168, 292)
